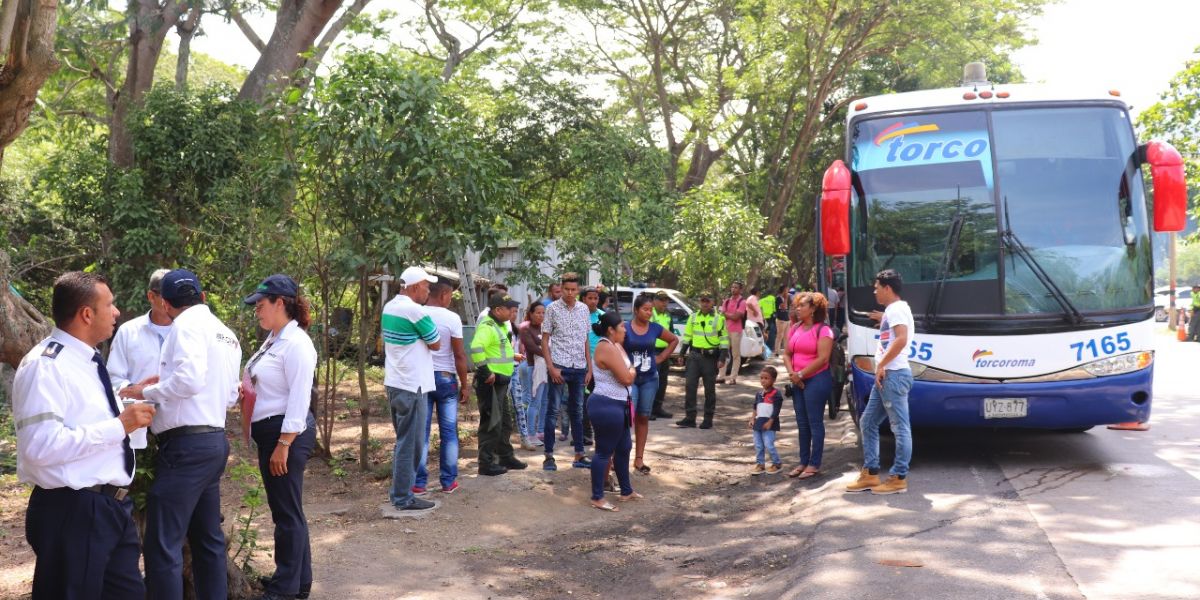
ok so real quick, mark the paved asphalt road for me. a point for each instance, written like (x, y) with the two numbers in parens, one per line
(1022, 514)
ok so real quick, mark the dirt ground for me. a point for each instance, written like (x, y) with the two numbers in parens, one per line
(706, 529)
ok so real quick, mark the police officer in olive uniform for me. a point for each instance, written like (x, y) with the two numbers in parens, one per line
(73, 446)
(706, 344)
(492, 353)
(663, 318)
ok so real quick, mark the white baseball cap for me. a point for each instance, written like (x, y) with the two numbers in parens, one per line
(415, 275)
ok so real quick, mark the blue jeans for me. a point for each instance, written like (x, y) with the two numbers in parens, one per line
(643, 393)
(408, 414)
(445, 398)
(765, 441)
(809, 404)
(534, 403)
(610, 423)
(890, 402)
(573, 379)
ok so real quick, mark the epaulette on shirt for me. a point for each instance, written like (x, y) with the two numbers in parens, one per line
(52, 350)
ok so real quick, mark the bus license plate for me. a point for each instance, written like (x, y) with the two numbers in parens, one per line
(1005, 408)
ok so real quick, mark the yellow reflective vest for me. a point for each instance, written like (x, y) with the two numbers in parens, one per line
(705, 332)
(491, 347)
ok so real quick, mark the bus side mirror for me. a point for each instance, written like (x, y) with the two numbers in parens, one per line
(835, 209)
(1170, 185)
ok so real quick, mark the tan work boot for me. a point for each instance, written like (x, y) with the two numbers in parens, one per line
(893, 485)
(759, 469)
(864, 482)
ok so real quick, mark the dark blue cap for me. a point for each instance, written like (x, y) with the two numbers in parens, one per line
(275, 285)
(180, 284)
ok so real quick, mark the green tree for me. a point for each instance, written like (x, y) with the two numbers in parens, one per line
(717, 236)
(400, 178)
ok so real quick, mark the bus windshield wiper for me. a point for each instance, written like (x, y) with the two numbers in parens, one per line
(939, 286)
(1013, 243)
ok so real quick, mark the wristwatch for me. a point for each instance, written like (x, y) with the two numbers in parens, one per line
(285, 443)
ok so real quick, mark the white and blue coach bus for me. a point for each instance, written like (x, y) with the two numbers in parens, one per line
(1017, 216)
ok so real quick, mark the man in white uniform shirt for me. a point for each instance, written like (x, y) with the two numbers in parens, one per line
(73, 446)
(198, 382)
(135, 349)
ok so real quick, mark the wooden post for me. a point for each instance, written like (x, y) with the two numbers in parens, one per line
(1171, 322)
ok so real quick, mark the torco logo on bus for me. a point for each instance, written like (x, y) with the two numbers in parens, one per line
(946, 150)
(980, 360)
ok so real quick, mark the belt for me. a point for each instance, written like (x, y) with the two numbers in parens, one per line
(111, 491)
(104, 489)
(704, 351)
(447, 374)
(185, 430)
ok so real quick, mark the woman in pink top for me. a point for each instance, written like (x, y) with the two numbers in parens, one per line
(810, 341)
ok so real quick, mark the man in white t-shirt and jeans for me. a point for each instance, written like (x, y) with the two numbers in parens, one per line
(449, 377)
(889, 395)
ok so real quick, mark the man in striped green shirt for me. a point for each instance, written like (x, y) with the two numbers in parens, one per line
(409, 338)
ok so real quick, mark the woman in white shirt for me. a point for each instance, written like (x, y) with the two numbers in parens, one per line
(277, 388)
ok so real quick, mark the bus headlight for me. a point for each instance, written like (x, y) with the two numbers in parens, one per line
(1116, 365)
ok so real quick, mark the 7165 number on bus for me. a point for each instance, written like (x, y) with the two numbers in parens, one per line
(1097, 347)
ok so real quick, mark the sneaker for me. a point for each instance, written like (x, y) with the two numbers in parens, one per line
(391, 511)
(582, 463)
(450, 489)
(685, 423)
(541, 438)
(419, 504)
(864, 483)
(893, 485)
(418, 490)
(549, 464)
(758, 469)
(527, 445)
(775, 468)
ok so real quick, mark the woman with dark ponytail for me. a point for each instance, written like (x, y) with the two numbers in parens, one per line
(277, 386)
(610, 410)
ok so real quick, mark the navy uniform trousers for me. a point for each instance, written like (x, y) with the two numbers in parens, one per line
(86, 545)
(185, 503)
(285, 496)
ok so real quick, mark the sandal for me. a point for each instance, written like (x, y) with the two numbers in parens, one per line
(794, 473)
(807, 474)
(630, 498)
(607, 507)
(643, 469)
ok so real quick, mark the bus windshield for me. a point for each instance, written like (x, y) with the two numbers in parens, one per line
(1073, 195)
(1062, 180)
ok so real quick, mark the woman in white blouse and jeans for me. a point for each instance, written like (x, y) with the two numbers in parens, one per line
(284, 429)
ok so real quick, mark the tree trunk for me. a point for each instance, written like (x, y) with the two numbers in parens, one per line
(21, 325)
(297, 25)
(148, 27)
(364, 399)
(29, 61)
(186, 30)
